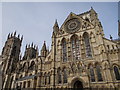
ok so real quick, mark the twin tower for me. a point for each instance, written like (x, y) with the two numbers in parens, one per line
(13, 44)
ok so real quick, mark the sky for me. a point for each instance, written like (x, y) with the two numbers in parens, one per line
(35, 20)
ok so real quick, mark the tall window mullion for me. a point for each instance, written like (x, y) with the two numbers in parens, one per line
(64, 50)
(92, 74)
(64, 76)
(75, 48)
(99, 74)
(59, 76)
(87, 45)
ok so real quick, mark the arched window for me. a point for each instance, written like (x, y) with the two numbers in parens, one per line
(75, 48)
(92, 74)
(48, 78)
(32, 65)
(24, 85)
(64, 76)
(64, 50)
(45, 78)
(23, 68)
(28, 83)
(59, 76)
(117, 73)
(98, 71)
(87, 45)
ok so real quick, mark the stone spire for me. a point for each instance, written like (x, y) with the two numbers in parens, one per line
(111, 37)
(44, 50)
(14, 33)
(56, 23)
(8, 35)
(56, 27)
(44, 47)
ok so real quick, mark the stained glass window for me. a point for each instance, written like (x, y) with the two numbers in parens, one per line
(87, 45)
(117, 74)
(99, 75)
(92, 74)
(75, 48)
(64, 76)
(64, 50)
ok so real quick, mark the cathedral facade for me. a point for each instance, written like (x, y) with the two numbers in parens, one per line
(80, 57)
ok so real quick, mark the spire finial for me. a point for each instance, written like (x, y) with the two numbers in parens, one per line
(44, 46)
(56, 23)
(22, 38)
(44, 41)
(8, 35)
(11, 34)
(14, 33)
(111, 37)
(26, 45)
(91, 7)
(18, 35)
(29, 46)
(32, 44)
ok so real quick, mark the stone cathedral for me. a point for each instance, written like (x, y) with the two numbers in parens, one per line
(80, 57)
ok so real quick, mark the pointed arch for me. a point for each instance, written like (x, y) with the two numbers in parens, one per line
(116, 72)
(59, 77)
(49, 78)
(98, 72)
(87, 45)
(24, 65)
(64, 50)
(45, 78)
(92, 73)
(75, 44)
(32, 65)
(65, 75)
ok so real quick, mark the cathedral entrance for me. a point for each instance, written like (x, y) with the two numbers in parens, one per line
(78, 84)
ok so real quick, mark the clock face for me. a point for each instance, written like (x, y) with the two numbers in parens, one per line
(72, 25)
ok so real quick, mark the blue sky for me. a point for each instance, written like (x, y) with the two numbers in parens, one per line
(35, 20)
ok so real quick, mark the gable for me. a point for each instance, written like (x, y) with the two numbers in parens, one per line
(75, 23)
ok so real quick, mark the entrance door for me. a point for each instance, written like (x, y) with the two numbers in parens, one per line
(78, 84)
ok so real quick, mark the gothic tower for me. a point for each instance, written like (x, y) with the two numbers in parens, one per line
(30, 52)
(10, 54)
(11, 50)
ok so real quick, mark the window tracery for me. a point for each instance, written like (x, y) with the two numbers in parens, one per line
(117, 73)
(64, 76)
(32, 66)
(87, 45)
(64, 50)
(59, 76)
(92, 74)
(99, 74)
(75, 48)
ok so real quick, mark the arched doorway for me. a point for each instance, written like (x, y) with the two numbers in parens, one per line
(78, 84)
